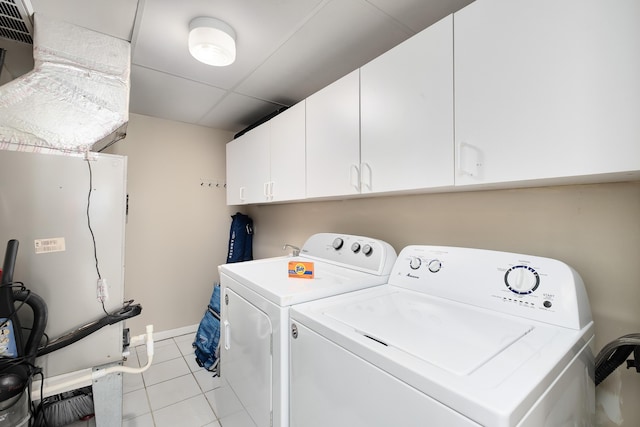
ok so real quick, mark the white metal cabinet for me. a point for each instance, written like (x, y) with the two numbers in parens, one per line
(235, 173)
(406, 114)
(333, 138)
(267, 163)
(248, 167)
(287, 154)
(546, 90)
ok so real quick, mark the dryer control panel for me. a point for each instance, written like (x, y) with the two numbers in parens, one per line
(360, 253)
(528, 286)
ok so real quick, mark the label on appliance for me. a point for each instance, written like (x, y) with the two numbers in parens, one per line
(45, 246)
(301, 270)
(7, 340)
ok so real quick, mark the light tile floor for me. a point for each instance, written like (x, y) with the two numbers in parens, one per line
(175, 391)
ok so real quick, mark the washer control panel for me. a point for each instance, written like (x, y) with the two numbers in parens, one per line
(357, 252)
(528, 286)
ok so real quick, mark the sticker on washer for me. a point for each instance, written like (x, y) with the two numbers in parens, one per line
(301, 270)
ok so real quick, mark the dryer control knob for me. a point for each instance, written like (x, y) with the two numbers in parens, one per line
(337, 243)
(522, 279)
(434, 265)
(367, 250)
(355, 248)
(415, 263)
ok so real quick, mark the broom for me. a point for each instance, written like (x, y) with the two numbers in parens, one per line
(65, 408)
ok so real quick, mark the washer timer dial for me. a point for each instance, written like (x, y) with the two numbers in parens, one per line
(522, 279)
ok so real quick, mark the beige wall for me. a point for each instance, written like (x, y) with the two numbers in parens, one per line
(593, 228)
(177, 234)
(177, 231)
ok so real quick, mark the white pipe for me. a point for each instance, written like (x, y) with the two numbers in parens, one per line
(89, 376)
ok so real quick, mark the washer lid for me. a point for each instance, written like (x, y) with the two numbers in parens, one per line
(448, 336)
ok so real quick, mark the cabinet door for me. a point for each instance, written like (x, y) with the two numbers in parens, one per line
(287, 143)
(407, 113)
(236, 185)
(333, 138)
(248, 167)
(546, 89)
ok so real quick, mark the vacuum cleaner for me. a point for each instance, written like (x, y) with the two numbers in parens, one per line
(17, 356)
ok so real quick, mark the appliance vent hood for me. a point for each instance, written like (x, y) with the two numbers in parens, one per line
(77, 96)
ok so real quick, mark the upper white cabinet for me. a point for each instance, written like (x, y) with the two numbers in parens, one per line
(267, 163)
(287, 154)
(406, 114)
(333, 139)
(546, 90)
(248, 167)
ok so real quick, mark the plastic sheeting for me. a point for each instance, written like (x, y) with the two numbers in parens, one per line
(76, 95)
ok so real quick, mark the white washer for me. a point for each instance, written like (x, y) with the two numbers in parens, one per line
(458, 337)
(256, 299)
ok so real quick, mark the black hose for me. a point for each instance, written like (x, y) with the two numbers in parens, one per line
(40, 315)
(614, 354)
(617, 358)
(126, 312)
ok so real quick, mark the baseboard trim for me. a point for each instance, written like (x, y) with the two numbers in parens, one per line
(172, 333)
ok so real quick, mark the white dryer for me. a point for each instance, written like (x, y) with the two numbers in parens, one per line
(459, 337)
(257, 297)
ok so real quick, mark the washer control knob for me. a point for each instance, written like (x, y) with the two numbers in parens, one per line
(415, 263)
(355, 247)
(337, 243)
(522, 279)
(434, 265)
(367, 250)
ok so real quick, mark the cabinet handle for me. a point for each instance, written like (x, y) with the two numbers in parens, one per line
(369, 183)
(355, 177)
(462, 148)
(265, 190)
(271, 183)
(227, 335)
(242, 193)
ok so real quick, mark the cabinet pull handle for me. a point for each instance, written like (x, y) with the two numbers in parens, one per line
(355, 177)
(227, 335)
(271, 183)
(265, 190)
(369, 183)
(242, 193)
(462, 147)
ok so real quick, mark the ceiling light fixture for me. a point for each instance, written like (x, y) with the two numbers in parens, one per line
(212, 41)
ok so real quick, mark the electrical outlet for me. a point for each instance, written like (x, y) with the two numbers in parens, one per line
(102, 290)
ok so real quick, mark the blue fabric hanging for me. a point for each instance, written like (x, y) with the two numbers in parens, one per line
(207, 341)
(240, 239)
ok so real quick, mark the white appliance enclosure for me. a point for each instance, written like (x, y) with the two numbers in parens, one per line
(44, 196)
(459, 337)
(256, 299)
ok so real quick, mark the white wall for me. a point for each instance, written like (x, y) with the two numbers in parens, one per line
(177, 230)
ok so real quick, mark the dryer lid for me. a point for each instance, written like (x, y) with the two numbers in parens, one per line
(448, 335)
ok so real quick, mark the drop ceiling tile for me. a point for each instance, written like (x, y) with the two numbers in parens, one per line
(419, 14)
(341, 37)
(235, 112)
(162, 95)
(112, 17)
(261, 26)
